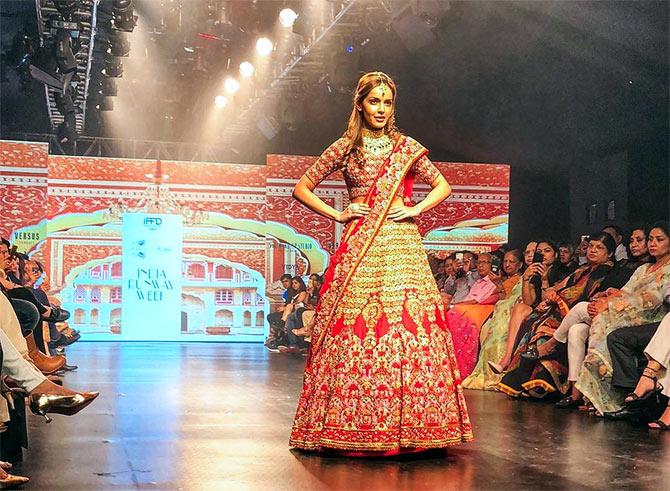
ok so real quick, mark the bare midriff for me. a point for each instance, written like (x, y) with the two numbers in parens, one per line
(397, 201)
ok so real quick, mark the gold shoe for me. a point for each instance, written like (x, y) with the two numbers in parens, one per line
(8, 481)
(41, 404)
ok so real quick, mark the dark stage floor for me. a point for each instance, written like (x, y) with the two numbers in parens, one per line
(217, 416)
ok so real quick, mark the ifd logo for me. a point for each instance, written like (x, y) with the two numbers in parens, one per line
(153, 223)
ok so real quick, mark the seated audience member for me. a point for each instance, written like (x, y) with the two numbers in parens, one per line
(296, 327)
(466, 275)
(617, 235)
(304, 316)
(626, 346)
(466, 317)
(639, 302)
(544, 272)
(298, 300)
(623, 270)
(566, 256)
(448, 286)
(493, 334)
(275, 318)
(437, 268)
(580, 251)
(574, 328)
(28, 318)
(536, 377)
(615, 279)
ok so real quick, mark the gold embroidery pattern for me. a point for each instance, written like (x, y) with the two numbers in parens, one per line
(384, 375)
(359, 177)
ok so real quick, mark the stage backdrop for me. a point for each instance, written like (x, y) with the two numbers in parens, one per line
(207, 241)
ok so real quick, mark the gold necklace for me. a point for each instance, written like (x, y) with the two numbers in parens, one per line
(377, 146)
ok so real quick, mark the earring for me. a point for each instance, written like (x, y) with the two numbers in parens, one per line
(391, 123)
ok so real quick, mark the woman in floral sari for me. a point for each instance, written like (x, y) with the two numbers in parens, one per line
(639, 302)
(493, 335)
(530, 376)
(381, 377)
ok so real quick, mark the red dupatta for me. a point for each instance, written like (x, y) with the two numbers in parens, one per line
(360, 233)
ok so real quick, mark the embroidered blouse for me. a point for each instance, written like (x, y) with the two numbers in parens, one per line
(359, 177)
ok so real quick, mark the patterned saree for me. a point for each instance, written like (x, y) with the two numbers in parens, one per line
(641, 303)
(381, 377)
(541, 377)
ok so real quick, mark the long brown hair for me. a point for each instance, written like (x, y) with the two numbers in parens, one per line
(366, 83)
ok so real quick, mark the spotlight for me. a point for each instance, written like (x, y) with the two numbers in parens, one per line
(287, 17)
(67, 130)
(113, 66)
(122, 15)
(221, 101)
(231, 85)
(246, 69)
(106, 104)
(118, 44)
(108, 87)
(264, 46)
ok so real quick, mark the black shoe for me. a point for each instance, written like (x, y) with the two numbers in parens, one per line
(569, 403)
(623, 414)
(273, 346)
(68, 340)
(69, 368)
(57, 315)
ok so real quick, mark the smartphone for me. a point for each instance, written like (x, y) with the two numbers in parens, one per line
(495, 265)
(538, 257)
(584, 237)
(459, 256)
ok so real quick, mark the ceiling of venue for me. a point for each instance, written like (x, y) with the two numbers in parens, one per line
(536, 84)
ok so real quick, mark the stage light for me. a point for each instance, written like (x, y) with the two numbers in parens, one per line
(118, 44)
(231, 85)
(246, 69)
(106, 104)
(108, 87)
(113, 66)
(122, 15)
(264, 46)
(350, 48)
(221, 101)
(287, 17)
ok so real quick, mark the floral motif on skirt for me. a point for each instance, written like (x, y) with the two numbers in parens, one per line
(385, 377)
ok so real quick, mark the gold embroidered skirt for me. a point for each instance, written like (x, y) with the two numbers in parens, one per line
(385, 377)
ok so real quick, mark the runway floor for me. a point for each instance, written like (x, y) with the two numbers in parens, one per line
(217, 416)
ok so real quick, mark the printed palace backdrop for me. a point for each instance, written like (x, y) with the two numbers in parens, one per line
(204, 264)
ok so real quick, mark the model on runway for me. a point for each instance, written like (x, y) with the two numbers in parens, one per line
(381, 377)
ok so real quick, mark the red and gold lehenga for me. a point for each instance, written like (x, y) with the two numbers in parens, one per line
(381, 377)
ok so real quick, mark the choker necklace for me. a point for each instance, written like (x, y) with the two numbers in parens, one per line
(368, 133)
(377, 146)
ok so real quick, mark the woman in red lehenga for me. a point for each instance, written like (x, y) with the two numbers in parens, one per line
(381, 377)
